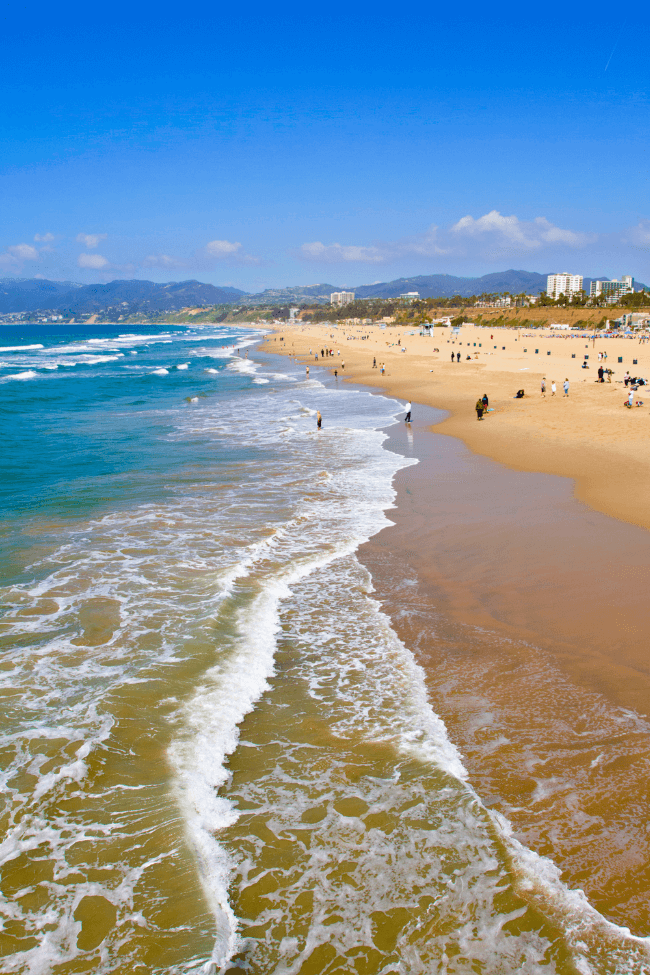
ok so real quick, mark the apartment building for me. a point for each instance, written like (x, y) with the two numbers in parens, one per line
(563, 284)
(612, 289)
(341, 298)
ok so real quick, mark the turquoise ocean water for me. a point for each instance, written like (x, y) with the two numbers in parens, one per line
(216, 753)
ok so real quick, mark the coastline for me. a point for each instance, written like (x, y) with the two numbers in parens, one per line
(531, 671)
(527, 612)
(590, 437)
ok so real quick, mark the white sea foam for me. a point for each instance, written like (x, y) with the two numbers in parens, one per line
(19, 348)
(29, 374)
(160, 372)
(184, 365)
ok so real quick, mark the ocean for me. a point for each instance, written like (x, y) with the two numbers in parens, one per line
(217, 755)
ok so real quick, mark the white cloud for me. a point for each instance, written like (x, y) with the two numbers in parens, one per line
(510, 234)
(222, 248)
(163, 261)
(94, 261)
(225, 250)
(44, 238)
(490, 236)
(421, 245)
(340, 253)
(8, 260)
(639, 235)
(90, 240)
(24, 252)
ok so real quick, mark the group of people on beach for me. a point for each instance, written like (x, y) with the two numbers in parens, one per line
(565, 386)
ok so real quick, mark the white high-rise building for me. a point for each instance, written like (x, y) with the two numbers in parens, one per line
(613, 289)
(563, 284)
(341, 298)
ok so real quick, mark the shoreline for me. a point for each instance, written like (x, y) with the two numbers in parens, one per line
(509, 592)
(590, 438)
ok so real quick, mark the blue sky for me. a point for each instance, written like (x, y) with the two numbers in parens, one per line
(355, 143)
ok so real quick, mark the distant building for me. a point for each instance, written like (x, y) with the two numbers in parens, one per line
(612, 289)
(635, 319)
(563, 284)
(497, 303)
(410, 296)
(341, 298)
(293, 312)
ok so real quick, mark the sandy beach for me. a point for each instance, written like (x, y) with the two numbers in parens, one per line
(526, 608)
(588, 436)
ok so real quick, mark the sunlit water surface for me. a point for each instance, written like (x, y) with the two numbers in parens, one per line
(216, 753)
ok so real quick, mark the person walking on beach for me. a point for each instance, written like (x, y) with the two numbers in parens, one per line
(566, 387)
(458, 357)
(407, 418)
(452, 356)
(342, 365)
(601, 373)
(319, 419)
(553, 387)
(485, 402)
(544, 386)
(626, 378)
(479, 409)
(374, 362)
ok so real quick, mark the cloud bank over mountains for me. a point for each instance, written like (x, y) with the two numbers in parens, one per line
(469, 244)
(491, 236)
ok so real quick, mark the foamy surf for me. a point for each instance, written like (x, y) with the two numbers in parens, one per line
(204, 697)
(28, 374)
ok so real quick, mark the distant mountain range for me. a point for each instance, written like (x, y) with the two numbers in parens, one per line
(65, 297)
(131, 297)
(428, 286)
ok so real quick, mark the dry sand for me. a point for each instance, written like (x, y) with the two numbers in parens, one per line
(589, 436)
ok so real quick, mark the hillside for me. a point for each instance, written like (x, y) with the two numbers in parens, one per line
(135, 297)
(447, 285)
(301, 294)
(64, 297)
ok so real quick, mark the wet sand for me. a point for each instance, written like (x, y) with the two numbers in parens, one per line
(529, 614)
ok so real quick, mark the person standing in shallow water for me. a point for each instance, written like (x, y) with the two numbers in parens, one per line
(319, 419)
(407, 418)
